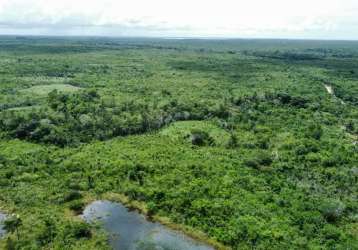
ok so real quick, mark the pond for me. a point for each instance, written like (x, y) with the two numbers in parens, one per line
(129, 230)
(2, 219)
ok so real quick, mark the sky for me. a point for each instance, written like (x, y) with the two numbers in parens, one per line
(295, 19)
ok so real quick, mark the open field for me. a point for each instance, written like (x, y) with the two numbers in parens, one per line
(250, 144)
(46, 89)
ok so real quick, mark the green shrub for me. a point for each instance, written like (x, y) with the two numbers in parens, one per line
(77, 206)
(72, 195)
(201, 138)
(331, 232)
(260, 160)
(77, 230)
(152, 208)
(332, 210)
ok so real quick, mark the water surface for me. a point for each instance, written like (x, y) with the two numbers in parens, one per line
(130, 230)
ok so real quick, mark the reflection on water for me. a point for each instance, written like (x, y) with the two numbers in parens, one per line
(130, 230)
(2, 218)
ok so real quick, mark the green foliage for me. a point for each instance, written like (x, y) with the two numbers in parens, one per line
(261, 159)
(77, 206)
(72, 195)
(77, 230)
(332, 210)
(200, 138)
(12, 224)
(238, 139)
(152, 208)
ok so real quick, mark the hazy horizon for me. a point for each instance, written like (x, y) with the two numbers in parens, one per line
(226, 19)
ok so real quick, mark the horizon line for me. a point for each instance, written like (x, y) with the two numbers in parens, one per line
(184, 37)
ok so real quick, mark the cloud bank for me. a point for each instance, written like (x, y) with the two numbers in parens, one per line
(313, 19)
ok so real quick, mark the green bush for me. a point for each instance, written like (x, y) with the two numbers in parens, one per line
(201, 138)
(72, 195)
(77, 206)
(332, 210)
(77, 230)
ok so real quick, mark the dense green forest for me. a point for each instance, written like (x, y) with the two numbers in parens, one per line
(252, 142)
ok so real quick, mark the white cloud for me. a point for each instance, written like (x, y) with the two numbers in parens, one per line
(239, 18)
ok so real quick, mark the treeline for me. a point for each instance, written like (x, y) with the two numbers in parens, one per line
(73, 118)
(308, 54)
(69, 119)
